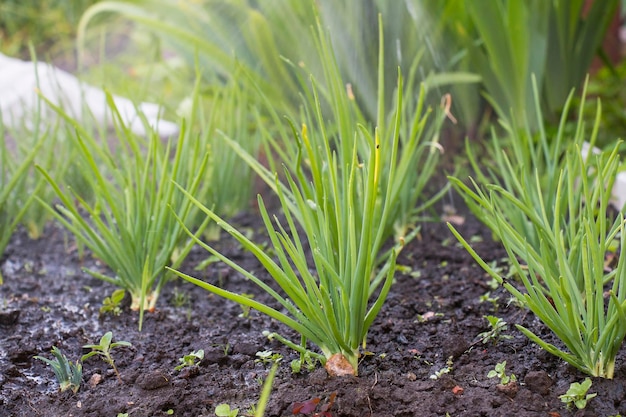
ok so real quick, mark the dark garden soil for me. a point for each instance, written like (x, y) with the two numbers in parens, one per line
(431, 320)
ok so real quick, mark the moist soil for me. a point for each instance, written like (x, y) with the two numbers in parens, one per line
(431, 321)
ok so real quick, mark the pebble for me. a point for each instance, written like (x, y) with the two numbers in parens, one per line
(510, 389)
(248, 349)
(153, 380)
(9, 318)
(538, 382)
(216, 356)
(95, 380)
(455, 346)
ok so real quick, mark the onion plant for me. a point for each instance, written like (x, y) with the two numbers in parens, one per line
(26, 143)
(33, 136)
(219, 35)
(410, 121)
(15, 196)
(499, 44)
(513, 161)
(68, 374)
(228, 183)
(57, 155)
(129, 225)
(553, 222)
(505, 42)
(338, 196)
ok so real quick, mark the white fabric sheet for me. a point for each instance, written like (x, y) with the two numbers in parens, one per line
(18, 97)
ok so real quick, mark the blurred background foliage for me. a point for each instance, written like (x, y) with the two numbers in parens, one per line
(482, 52)
(479, 53)
(50, 25)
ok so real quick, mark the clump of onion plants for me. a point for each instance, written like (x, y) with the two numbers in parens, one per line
(57, 155)
(409, 122)
(129, 225)
(225, 110)
(28, 138)
(338, 197)
(19, 184)
(15, 196)
(551, 215)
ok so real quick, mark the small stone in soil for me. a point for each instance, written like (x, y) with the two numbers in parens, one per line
(538, 382)
(153, 380)
(214, 357)
(510, 389)
(455, 346)
(9, 318)
(247, 349)
(95, 380)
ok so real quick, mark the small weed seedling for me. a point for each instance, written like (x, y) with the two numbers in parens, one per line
(180, 299)
(224, 410)
(487, 298)
(255, 410)
(245, 310)
(496, 328)
(500, 372)
(445, 370)
(111, 305)
(306, 361)
(192, 359)
(103, 349)
(577, 394)
(68, 374)
(268, 357)
(225, 348)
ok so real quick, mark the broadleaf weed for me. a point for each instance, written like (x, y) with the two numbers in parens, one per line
(103, 349)
(111, 304)
(190, 360)
(497, 327)
(576, 394)
(500, 372)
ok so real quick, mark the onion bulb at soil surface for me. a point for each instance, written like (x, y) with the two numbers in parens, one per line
(338, 365)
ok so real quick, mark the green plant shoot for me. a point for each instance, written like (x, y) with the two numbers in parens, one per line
(497, 327)
(577, 395)
(224, 410)
(190, 360)
(17, 191)
(500, 372)
(103, 349)
(111, 304)
(68, 374)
